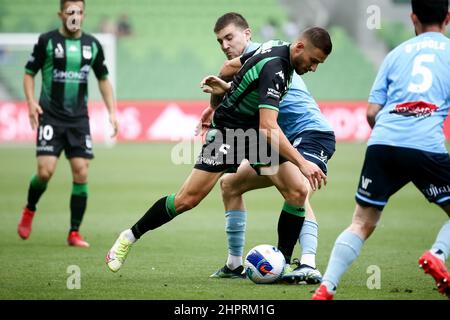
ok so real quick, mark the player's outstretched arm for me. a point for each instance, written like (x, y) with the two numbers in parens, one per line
(108, 97)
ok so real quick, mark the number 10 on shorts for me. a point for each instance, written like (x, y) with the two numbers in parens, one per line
(46, 132)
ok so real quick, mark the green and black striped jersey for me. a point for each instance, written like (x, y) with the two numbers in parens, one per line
(65, 65)
(262, 82)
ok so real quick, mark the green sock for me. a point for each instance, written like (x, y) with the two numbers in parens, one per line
(289, 226)
(35, 191)
(78, 203)
(161, 212)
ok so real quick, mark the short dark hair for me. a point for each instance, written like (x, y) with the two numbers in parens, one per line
(320, 38)
(231, 17)
(430, 11)
(63, 2)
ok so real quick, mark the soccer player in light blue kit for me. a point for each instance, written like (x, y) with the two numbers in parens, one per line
(408, 104)
(308, 131)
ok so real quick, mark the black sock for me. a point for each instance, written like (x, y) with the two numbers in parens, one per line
(77, 209)
(35, 191)
(78, 202)
(289, 227)
(155, 217)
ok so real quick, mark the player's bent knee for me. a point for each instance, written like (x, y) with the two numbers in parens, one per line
(296, 195)
(80, 177)
(227, 188)
(80, 173)
(223, 184)
(45, 174)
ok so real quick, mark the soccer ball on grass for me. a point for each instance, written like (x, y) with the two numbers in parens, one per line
(264, 264)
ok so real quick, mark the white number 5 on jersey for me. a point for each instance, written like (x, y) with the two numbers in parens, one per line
(420, 69)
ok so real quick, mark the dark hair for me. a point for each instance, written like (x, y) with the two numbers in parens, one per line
(63, 2)
(231, 17)
(320, 38)
(430, 11)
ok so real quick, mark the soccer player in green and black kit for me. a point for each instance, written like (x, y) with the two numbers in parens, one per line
(249, 105)
(65, 57)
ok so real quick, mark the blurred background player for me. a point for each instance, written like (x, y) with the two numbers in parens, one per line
(250, 104)
(408, 104)
(65, 57)
(307, 130)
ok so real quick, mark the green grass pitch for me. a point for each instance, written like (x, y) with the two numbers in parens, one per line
(175, 261)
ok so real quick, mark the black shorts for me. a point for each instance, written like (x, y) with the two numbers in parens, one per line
(315, 146)
(53, 137)
(387, 169)
(224, 150)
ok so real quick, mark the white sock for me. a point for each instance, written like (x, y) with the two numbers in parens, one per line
(331, 288)
(441, 247)
(438, 254)
(128, 234)
(309, 259)
(234, 261)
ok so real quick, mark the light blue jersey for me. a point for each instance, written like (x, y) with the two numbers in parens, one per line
(298, 110)
(413, 87)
